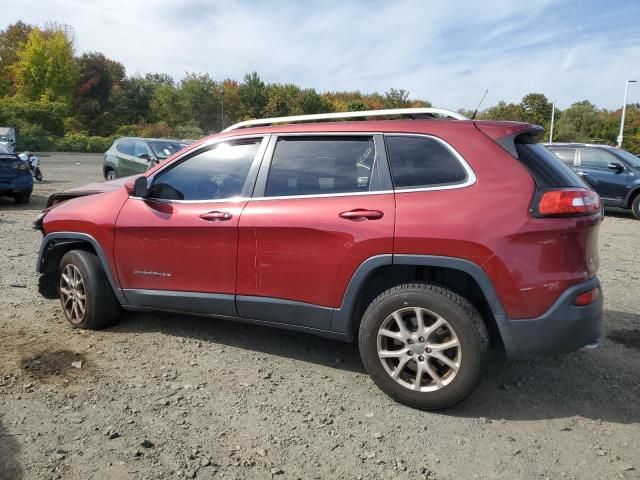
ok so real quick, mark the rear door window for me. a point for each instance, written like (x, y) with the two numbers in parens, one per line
(422, 162)
(320, 165)
(125, 146)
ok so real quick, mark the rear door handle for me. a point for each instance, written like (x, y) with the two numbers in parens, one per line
(360, 214)
(216, 216)
(583, 174)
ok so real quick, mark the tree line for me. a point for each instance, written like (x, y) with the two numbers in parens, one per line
(57, 99)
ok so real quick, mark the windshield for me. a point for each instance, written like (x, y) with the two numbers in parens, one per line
(4, 149)
(163, 150)
(4, 138)
(627, 157)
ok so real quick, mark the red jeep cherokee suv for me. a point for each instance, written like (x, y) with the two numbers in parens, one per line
(426, 238)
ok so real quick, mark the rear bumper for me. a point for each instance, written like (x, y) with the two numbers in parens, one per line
(15, 188)
(564, 328)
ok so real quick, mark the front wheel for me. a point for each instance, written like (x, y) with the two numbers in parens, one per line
(85, 293)
(635, 207)
(110, 175)
(22, 197)
(423, 345)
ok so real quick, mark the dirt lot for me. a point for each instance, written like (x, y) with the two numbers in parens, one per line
(169, 396)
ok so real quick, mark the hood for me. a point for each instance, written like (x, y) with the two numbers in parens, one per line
(89, 189)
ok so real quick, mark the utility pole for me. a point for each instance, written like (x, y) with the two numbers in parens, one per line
(553, 116)
(624, 111)
(222, 109)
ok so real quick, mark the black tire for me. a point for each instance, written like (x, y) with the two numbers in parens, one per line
(462, 317)
(21, 197)
(110, 174)
(635, 207)
(38, 174)
(101, 306)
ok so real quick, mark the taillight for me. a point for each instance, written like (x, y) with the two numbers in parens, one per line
(587, 298)
(567, 202)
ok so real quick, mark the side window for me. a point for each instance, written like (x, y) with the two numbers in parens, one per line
(125, 147)
(422, 162)
(140, 148)
(320, 165)
(595, 157)
(565, 154)
(214, 174)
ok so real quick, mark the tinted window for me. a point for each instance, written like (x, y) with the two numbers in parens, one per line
(319, 165)
(565, 154)
(214, 174)
(595, 157)
(546, 168)
(139, 148)
(422, 162)
(125, 147)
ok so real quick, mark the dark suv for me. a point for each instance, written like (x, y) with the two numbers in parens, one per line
(426, 239)
(15, 176)
(130, 155)
(613, 173)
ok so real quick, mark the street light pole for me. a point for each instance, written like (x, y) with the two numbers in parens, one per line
(624, 111)
(553, 116)
(222, 108)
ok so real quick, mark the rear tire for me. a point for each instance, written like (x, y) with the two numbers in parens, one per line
(635, 207)
(405, 361)
(86, 296)
(21, 197)
(38, 174)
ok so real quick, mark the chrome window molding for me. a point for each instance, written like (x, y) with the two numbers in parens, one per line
(470, 180)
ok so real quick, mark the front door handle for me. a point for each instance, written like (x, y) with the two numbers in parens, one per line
(583, 174)
(360, 214)
(216, 216)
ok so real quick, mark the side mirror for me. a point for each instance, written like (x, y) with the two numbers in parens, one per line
(140, 187)
(618, 167)
(144, 156)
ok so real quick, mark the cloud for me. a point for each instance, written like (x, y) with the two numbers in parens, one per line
(446, 52)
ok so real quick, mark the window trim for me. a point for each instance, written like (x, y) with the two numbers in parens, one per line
(249, 182)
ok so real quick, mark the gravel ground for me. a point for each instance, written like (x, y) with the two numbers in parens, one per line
(170, 396)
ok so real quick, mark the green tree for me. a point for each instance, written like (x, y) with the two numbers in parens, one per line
(283, 100)
(45, 66)
(199, 99)
(536, 109)
(12, 39)
(396, 98)
(503, 111)
(253, 96)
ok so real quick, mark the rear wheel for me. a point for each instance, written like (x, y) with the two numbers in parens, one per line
(85, 293)
(635, 207)
(38, 174)
(423, 345)
(110, 175)
(22, 197)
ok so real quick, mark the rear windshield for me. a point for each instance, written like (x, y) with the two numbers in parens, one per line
(547, 169)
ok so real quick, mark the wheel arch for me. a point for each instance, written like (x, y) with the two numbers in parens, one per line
(633, 193)
(55, 245)
(379, 273)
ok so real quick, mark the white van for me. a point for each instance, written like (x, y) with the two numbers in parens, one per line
(8, 138)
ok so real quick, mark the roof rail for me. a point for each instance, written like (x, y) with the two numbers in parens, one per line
(421, 112)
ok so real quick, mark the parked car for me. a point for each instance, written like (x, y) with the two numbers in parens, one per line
(613, 173)
(428, 241)
(130, 155)
(8, 138)
(15, 176)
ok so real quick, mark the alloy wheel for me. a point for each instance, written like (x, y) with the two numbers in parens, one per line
(73, 294)
(419, 349)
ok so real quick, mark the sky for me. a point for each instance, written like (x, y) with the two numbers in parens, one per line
(447, 52)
